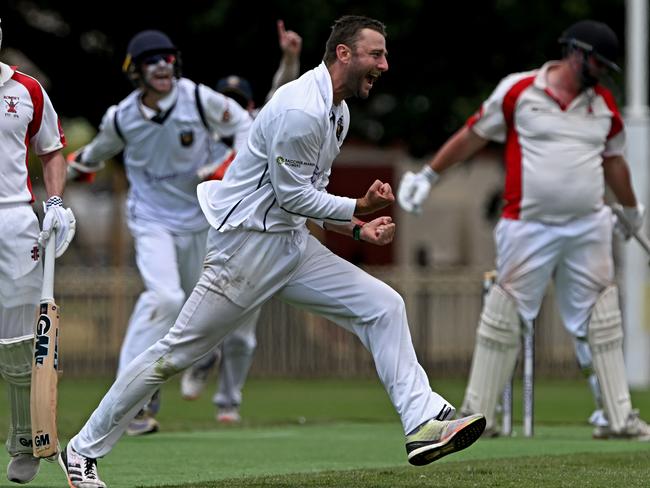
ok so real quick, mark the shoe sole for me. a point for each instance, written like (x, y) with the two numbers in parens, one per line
(63, 463)
(135, 433)
(459, 440)
(190, 398)
(621, 437)
(228, 421)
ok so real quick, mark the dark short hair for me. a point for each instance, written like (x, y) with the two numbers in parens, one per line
(346, 31)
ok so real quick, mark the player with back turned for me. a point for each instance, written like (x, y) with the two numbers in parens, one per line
(27, 119)
(564, 140)
(259, 247)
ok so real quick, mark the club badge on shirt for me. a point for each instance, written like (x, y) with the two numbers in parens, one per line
(11, 103)
(187, 138)
(339, 128)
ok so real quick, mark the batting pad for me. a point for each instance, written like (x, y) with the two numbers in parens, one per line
(583, 353)
(605, 336)
(495, 354)
(16, 368)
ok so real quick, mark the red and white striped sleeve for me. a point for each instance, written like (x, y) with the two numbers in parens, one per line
(489, 121)
(615, 144)
(44, 132)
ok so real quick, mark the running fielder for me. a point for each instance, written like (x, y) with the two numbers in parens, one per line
(259, 247)
(564, 139)
(28, 119)
(165, 129)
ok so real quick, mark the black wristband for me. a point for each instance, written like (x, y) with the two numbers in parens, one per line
(356, 232)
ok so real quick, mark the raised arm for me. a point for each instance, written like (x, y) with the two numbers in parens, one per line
(291, 45)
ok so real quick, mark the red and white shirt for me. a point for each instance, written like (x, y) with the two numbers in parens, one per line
(27, 117)
(553, 153)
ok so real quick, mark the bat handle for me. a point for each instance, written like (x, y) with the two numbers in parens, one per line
(47, 293)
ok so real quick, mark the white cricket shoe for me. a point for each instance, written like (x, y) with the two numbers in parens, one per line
(635, 429)
(193, 382)
(142, 424)
(22, 468)
(80, 470)
(228, 415)
(598, 418)
(437, 438)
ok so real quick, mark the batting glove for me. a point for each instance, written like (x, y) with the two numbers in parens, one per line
(61, 219)
(633, 220)
(415, 187)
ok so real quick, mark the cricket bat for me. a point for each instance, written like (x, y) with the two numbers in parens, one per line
(45, 366)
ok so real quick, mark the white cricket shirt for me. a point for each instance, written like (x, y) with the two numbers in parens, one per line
(162, 151)
(27, 119)
(278, 180)
(553, 154)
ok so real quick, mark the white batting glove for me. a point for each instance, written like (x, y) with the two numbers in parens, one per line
(415, 187)
(61, 219)
(634, 220)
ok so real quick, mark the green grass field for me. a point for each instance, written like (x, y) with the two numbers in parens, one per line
(326, 433)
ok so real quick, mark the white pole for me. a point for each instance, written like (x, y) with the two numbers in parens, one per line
(636, 276)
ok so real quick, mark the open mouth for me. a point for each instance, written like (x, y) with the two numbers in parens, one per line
(162, 75)
(372, 77)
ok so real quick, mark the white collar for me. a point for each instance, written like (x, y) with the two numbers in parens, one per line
(541, 79)
(6, 72)
(325, 86)
(164, 103)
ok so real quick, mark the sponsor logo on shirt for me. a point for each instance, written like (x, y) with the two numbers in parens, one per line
(545, 110)
(293, 163)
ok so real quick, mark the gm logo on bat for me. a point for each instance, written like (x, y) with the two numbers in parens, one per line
(42, 342)
(42, 440)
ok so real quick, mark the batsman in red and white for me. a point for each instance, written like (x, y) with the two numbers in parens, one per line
(28, 121)
(564, 140)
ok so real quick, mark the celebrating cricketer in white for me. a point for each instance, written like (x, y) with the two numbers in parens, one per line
(258, 247)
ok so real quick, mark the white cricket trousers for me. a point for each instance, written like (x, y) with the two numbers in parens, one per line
(577, 255)
(242, 270)
(170, 266)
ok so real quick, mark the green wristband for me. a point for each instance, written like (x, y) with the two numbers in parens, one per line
(356, 232)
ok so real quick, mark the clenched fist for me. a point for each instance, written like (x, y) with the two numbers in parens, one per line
(378, 196)
(379, 231)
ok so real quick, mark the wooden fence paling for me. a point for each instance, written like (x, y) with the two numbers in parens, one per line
(443, 307)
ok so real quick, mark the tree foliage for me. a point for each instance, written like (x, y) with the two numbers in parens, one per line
(444, 57)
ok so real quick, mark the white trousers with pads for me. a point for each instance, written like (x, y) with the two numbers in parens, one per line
(21, 272)
(243, 270)
(576, 255)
